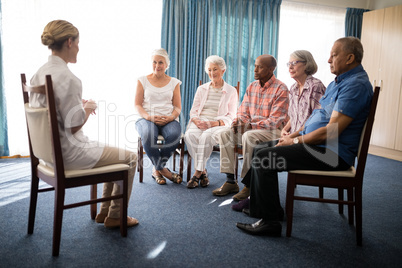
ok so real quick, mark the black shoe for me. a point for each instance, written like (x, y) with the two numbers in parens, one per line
(262, 227)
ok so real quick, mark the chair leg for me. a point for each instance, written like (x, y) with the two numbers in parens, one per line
(321, 192)
(350, 207)
(94, 194)
(188, 166)
(181, 158)
(33, 202)
(359, 216)
(290, 192)
(123, 206)
(140, 159)
(58, 219)
(174, 160)
(236, 161)
(340, 197)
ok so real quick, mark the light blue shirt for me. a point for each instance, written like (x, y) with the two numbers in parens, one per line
(350, 94)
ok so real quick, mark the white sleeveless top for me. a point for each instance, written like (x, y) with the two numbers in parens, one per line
(158, 100)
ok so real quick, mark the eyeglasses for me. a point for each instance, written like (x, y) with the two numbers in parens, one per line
(293, 63)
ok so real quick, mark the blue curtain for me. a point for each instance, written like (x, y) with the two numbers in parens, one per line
(237, 30)
(184, 36)
(3, 109)
(354, 21)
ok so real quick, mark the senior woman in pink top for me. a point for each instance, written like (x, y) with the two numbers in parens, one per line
(214, 108)
(305, 94)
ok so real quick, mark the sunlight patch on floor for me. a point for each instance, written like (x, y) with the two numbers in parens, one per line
(212, 201)
(226, 202)
(155, 252)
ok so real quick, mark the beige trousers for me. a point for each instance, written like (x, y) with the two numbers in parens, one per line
(110, 156)
(200, 143)
(248, 140)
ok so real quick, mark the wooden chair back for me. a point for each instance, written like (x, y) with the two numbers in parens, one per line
(351, 180)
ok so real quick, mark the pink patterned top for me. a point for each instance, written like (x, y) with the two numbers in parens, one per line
(301, 107)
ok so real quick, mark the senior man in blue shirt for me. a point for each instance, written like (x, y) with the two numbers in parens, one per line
(328, 141)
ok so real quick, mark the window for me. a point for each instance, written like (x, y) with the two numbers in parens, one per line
(309, 27)
(116, 41)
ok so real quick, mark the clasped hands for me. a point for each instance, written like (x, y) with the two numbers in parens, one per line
(90, 104)
(161, 120)
(240, 127)
(201, 124)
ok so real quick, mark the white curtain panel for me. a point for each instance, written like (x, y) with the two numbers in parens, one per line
(116, 41)
(310, 27)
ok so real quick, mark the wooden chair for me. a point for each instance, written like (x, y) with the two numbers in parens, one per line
(179, 150)
(215, 148)
(44, 144)
(351, 180)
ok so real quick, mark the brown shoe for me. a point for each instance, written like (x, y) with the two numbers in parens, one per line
(193, 182)
(226, 188)
(204, 181)
(243, 194)
(115, 222)
(100, 218)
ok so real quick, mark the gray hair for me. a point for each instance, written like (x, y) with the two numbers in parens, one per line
(162, 52)
(215, 60)
(304, 55)
(353, 46)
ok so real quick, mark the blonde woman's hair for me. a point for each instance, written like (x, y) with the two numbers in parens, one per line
(57, 32)
(162, 52)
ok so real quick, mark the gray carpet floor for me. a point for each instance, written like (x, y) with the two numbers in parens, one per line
(180, 227)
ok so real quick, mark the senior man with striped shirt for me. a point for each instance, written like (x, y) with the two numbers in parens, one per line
(260, 118)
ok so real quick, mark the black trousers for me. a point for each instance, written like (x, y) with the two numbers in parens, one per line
(268, 161)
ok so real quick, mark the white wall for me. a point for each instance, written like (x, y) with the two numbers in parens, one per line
(366, 4)
(380, 4)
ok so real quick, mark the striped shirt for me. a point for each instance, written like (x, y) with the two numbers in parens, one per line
(210, 110)
(301, 106)
(265, 107)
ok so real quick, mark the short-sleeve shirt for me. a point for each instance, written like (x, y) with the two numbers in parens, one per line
(158, 100)
(302, 105)
(350, 94)
(78, 151)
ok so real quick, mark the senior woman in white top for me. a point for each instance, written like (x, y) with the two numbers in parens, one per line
(213, 110)
(158, 102)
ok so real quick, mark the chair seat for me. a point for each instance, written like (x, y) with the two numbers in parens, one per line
(161, 139)
(48, 171)
(351, 172)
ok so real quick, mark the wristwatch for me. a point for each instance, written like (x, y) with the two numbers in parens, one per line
(296, 140)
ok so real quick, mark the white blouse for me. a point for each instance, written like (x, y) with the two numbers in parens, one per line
(78, 151)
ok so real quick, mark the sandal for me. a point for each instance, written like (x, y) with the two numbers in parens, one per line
(193, 182)
(175, 177)
(159, 179)
(204, 181)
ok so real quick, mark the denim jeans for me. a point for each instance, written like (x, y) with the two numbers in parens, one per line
(159, 154)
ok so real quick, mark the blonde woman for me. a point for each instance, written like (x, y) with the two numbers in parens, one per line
(158, 102)
(62, 38)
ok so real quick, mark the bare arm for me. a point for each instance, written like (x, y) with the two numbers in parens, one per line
(139, 98)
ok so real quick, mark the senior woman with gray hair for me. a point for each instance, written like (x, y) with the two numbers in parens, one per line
(305, 94)
(214, 108)
(158, 102)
